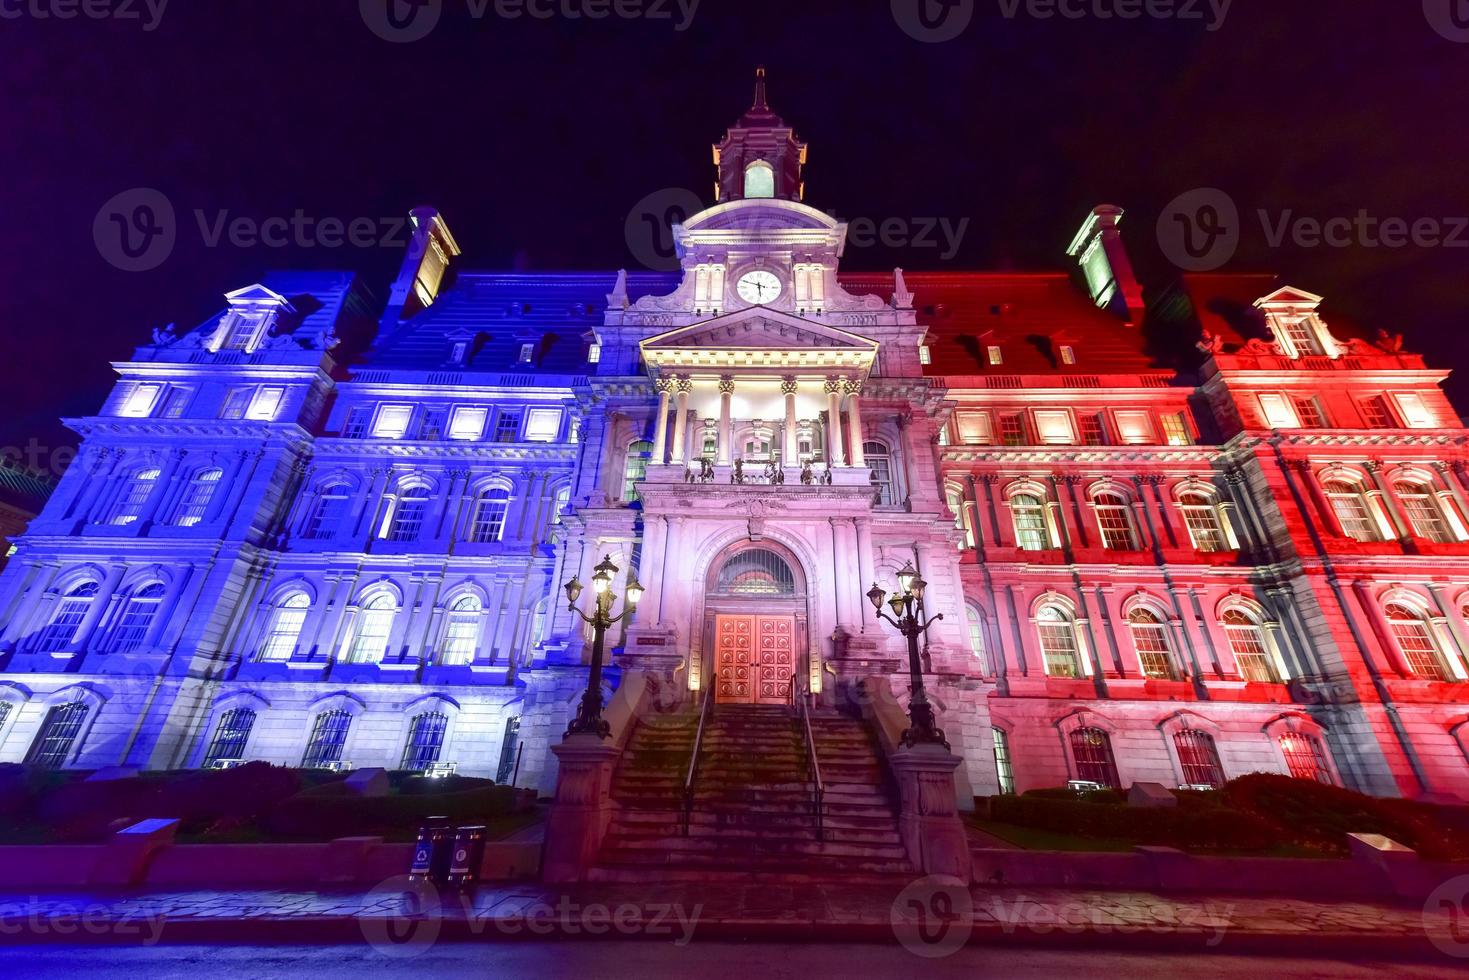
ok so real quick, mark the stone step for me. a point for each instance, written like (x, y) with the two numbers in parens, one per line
(741, 836)
(753, 847)
(815, 864)
(819, 874)
(855, 822)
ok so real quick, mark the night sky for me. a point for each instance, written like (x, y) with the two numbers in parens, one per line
(536, 138)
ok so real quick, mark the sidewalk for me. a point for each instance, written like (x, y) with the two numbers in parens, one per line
(929, 917)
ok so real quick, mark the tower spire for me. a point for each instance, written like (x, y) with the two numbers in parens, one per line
(760, 104)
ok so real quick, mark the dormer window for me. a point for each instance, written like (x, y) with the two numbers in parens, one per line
(244, 331)
(527, 353)
(456, 355)
(759, 180)
(594, 353)
(1297, 336)
(1068, 354)
(995, 357)
(925, 356)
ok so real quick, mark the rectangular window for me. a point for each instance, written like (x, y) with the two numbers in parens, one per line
(265, 404)
(392, 421)
(1175, 429)
(175, 403)
(527, 353)
(1414, 411)
(1135, 428)
(468, 422)
(1308, 410)
(994, 355)
(235, 403)
(924, 355)
(230, 737)
(328, 739)
(1054, 427)
(140, 401)
(975, 427)
(425, 741)
(1092, 432)
(1376, 414)
(1003, 767)
(1198, 759)
(1068, 354)
(594, 354)
(542, 424)
(1279, 412)
(1012, 429)
(1302, 338)
(54, 744)
(355, 427)
(243, 330)
(433, 424)
(507, 426)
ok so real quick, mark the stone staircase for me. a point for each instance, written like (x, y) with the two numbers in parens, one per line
(752, 816)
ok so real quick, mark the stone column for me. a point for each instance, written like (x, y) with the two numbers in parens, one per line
(835, 453)
(726, 392)
(929, 821)
(660, 423)
(681, 418)
(866, 566)
(788, 387)
(582, 809)
(1390, 502)
(853, 389)
(841, 588)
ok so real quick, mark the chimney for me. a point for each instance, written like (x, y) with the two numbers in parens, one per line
(1098, 248)
(431, 250)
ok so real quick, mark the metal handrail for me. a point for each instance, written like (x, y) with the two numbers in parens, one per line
(818, 786)
(693, 770)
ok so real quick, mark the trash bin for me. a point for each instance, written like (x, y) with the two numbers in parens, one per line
(469, 856)
(433, 851)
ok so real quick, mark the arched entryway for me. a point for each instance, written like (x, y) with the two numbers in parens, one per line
(755, 611)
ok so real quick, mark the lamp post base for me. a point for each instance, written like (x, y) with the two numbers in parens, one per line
(929, 821)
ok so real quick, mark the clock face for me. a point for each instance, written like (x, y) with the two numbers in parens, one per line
(759, 287)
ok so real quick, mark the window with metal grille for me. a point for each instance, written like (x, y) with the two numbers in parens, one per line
(61, 632)
(1114, 517)
(409, 515)
(1175, 429)
(374, 628)
(1150, 639)
(328, 739)
(885, 494)
(1003, 768)
(54, 744)
(461, 631)
(1309, 413)
(1012, 429)
(330, 514)
(1247, 643)
(1092, 432)
(490, 511)
(138, 615)
(1031, 532)
(1198, 758)
(230, 736)
(194, 503)
(425, 741)
(358, 419)
(1424, 515)
(507, 426)
(1058, 642)
(1305, 757)
(1414, 635)
(756, 571)
(1091, 750)
(134, 496)
(286, 622)
(1350, 505)
(638, 455)
(508, 745)
(1201, 518)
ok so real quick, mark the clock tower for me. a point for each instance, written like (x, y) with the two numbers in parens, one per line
(760, 155)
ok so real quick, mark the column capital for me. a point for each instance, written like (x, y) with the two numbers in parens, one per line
(663, 385)
(726, 384)
(852, 386)
(789, 385)
(833, 384)
(684, 384)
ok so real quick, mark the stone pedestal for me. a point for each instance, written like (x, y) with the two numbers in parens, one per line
(582, 807)
(929, 820)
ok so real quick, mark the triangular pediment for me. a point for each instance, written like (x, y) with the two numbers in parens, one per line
(256, 295)
(1289, 296)
(759, 328)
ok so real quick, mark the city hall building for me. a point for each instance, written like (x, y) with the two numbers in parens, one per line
(1178, 532)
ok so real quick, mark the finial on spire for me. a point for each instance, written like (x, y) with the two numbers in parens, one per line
(760, 104)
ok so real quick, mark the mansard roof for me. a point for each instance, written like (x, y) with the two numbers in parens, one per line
(22, 488)
(320, 302)
(497, 312)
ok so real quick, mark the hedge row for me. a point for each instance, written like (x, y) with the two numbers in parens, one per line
(1206, 828)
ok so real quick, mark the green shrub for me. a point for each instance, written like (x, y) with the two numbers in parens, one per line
(1082, 796)
(1185, 827)
(318, 815)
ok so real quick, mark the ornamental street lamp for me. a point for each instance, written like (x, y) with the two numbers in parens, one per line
(905, 607)
(588, 718)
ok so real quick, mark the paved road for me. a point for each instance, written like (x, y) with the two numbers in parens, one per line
(583, 960)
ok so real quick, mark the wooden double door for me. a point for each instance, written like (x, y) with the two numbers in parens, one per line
(754, 659)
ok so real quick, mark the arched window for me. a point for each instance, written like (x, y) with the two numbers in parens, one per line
(55, 743)
(1150, 639)
(490, 511)
(425, 741)
(1058, 641)
(1352, 509)
(1424, 514)
(976, 636)
(955, 498)
(1091, 750)
(1114, 517)
(880, 462)
(709, 445)
(409, 515)
(1414, 634)
(286, 622)
(756, 571)
(61, 632)
(1247, 643)
(1198, 758)
(1201, 517)
(230, 736)
(636, 469)
(461, 631)
(328, 739)
(196, 497)
(134, 496)
(559, 505)
(374, 627)
(759, 180)
(138, 615)
(328, 517)
(1004, 768)
(1031, 531)
(1305, 757)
